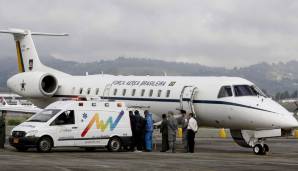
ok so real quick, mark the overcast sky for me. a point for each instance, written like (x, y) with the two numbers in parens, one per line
(210, 32)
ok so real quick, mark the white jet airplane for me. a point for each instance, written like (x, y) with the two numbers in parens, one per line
(221, 102)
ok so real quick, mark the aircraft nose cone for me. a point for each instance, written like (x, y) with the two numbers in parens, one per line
(292, 122)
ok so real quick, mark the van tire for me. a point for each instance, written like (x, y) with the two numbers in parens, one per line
(44, 145)
(114, 144)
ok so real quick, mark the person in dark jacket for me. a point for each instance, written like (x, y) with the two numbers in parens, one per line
(133, 129)
(164, 134)
(139, 130)
(148, 131)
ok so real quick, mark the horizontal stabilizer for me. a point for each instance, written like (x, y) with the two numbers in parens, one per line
(26, 32)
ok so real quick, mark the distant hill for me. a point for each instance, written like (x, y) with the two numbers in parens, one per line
(273, 78)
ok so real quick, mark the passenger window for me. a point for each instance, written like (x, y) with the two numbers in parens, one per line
(81, 90)
(97, 91)
(150, 93)
(115, 92)
(159, 93)
(65, 118)
(133, 92)
(142, 92)
(168, 93)
(123, 92)
(88, 90)
(225, 91)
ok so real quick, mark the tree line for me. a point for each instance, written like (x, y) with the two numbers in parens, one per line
(286, 95)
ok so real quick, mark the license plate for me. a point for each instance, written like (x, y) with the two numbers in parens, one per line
(15, 140)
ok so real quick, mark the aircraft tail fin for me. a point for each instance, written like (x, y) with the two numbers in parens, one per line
(28, 59)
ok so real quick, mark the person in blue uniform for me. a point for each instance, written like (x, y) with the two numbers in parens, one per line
(148, 131)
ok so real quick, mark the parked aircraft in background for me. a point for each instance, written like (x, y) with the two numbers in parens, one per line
(17, 104)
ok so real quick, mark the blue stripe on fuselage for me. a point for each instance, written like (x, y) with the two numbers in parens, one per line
(177, 101)
(185, 99)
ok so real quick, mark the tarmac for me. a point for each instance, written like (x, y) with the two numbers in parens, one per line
(210, 154)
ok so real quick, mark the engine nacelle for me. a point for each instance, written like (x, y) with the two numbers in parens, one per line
(33, 84)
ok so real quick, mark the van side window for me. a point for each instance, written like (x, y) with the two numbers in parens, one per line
(115, 92)
(65, 118)
(168, 93)
(81, 90)
(96, 91)
(123, 92)
(159, 93)
(88, 90)
(142, 92)
(150, 93)
(225, 91)
(133, 92)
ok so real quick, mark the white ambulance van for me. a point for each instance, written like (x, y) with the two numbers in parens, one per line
(87, 124)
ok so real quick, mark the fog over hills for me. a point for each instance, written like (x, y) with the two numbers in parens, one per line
(276, 77)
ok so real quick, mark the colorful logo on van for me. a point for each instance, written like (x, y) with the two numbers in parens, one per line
(100, 123)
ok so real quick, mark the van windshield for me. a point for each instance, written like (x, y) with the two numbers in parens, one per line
(44, 115)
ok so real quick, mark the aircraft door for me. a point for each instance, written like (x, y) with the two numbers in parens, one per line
(188, 93)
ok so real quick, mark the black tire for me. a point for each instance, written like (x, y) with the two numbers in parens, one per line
(22, 149)
(114, 144)
(90, 149)
(259, 149)
(44, 145)
(266, 148)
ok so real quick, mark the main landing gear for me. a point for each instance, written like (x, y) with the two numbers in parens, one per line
(261, 149)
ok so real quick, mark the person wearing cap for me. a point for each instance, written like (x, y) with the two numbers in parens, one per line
(172, 131)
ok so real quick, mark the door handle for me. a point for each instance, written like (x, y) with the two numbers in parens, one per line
(74, 127)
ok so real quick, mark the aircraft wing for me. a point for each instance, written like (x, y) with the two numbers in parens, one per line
(20, 109)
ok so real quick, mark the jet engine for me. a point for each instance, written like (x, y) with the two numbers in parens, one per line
(33, 84)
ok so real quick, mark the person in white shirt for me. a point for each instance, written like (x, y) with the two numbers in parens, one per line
(192, 129)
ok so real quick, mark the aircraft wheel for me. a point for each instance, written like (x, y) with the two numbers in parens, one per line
(258, 149)
(44, 145)
(114, 144)
(266, 148)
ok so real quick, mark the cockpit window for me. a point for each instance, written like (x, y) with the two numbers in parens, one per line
(244, 90)
(258, 91)
(247, 90)
(225, 91)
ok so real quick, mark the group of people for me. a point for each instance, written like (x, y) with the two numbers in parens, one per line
(169, 127)
(142, 130)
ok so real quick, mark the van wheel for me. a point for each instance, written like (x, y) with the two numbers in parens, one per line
(44, 145)
(22, 149)
(114, 144)
(90, 149)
